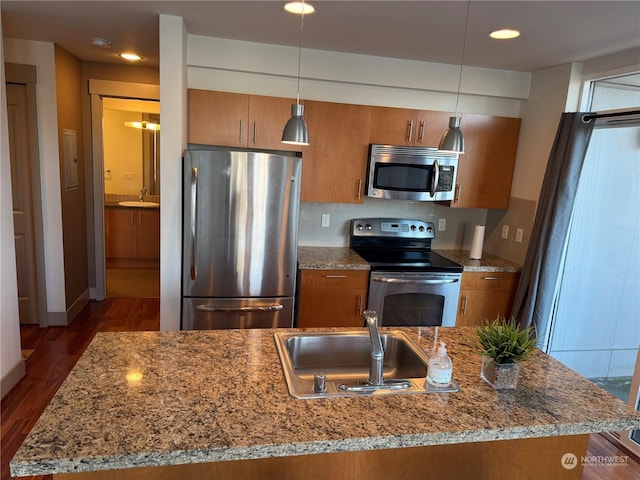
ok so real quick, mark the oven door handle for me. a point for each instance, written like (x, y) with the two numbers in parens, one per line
(422, 281)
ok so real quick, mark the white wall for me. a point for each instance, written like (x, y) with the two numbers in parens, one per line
(41, 54)
(173, 99)
(10, 357)
(246, 67)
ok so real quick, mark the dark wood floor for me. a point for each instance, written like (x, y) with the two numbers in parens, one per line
(57, 349)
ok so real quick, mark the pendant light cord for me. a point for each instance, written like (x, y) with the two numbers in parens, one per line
(464, 47)
(300, 52)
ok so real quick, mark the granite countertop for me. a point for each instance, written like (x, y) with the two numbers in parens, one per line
(161, 398)
(488, 262)
(330, 258)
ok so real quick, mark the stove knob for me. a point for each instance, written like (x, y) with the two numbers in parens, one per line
(413, 228)
(421, 228)
(430, 229)
(359, 226)
(368, 227)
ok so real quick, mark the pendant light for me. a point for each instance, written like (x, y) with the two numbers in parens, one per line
(295, 131)
(453, 140)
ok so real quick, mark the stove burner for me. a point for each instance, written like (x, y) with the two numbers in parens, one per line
(398, 244)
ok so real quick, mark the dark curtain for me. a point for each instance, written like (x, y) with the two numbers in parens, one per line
(536, 292)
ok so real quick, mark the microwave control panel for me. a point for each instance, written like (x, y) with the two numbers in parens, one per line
(445, 180)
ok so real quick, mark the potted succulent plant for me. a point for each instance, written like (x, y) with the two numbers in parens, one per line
(503, 345)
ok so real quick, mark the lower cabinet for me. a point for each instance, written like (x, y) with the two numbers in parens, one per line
(133, 233)
(332, 298)
(485, 295)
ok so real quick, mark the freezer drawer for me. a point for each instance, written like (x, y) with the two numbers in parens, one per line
(217, 313)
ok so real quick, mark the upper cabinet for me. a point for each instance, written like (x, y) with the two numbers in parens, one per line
(401, 126)
(238, 120)
(334, 163)
(485, 170)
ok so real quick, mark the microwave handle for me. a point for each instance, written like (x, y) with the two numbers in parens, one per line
(435, 178)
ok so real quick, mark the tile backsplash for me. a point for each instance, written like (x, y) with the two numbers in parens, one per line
(458, 232)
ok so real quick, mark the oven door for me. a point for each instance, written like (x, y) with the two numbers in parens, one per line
(413, 299)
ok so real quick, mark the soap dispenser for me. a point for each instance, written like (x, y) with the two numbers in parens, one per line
(440, 368)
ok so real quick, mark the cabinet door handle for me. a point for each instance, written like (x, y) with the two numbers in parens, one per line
(240, 136)
(359, 299)
(409, 130)
(255, 131)
(456, 195)
(131, 220)
(421, 137)
(359, 191)
(492, 278)
(335, 276)
(463, 309)
(139, 217)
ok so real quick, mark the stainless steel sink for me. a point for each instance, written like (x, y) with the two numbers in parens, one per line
(344, 358)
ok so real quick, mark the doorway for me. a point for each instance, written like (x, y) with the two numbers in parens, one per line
(139, 275)
(130, 134)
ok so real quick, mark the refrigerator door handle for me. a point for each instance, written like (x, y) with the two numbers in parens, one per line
(261, 308)
(193, 226)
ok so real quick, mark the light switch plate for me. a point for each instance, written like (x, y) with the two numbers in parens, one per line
(325, 219)
(519, 234)
(505, 231)
(442, 224)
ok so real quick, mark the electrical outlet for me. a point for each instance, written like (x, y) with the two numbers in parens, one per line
(519, 234)
(505, 231)
(128, 175)
(442, 224)
(325, 220)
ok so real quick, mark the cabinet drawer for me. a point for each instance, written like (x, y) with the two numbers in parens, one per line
(332, 279)
(489, 280)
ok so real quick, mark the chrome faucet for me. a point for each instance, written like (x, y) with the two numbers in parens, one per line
(377, 352)
(143, 192)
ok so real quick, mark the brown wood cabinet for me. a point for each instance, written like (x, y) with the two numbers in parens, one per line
(485, 170)
(133, 233)
(238, 120)
(401, 126)
(332, 298)
(485, 295)
(334, 163)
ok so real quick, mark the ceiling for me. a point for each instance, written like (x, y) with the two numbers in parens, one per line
(553, 32)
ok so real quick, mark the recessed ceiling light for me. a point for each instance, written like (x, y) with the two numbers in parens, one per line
(131, 56)
(300, 8)
(505, 34)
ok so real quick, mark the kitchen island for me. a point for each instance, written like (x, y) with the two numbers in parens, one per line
(214, 404)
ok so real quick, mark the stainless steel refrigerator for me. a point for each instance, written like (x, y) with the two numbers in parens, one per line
(239, 242)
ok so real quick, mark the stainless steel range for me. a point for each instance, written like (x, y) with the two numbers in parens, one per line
(409, 284)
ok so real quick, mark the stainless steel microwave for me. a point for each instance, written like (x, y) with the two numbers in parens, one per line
(411, 173)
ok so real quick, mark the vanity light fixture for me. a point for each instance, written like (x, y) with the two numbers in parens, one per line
(143, 125)
(505, 34)
(133, 57)
(453, 140)
(295, 131)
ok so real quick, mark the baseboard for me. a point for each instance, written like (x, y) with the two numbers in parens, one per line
(57, 319)
(12, 378)
(78, 305)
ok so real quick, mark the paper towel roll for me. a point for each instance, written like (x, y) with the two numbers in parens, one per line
(476, 244)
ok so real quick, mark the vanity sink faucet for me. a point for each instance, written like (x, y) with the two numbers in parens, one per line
(377, 353)
(143, 192)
